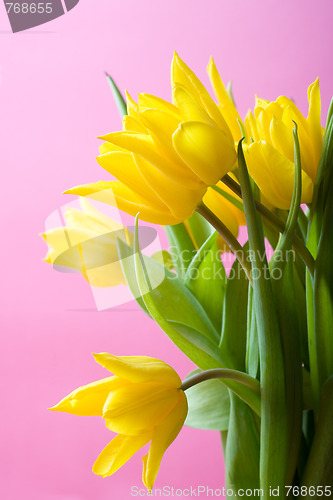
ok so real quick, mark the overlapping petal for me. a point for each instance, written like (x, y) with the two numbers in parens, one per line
(142, 402)
(271, 158)
(163, 435)
(167, 154)
(138, 369)
(88, 244)
(274, 174)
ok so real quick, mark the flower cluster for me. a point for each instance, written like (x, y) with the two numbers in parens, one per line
(170, 160)
(168, 154)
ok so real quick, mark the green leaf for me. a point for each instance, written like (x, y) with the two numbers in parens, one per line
(211, 352)
(323, 294)
(208, 405)
(174, 301)
(182, 248)
(206, 279)
(321, 193)
(242, 448)
(194, 344)
(319, 467)
(283, 270)
(273, 422)
(125, 253)
(119, 100)
(252, 342)
(200, 228)
(233, 339)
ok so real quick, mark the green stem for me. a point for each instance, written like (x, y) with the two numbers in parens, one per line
(319, 467)
(274, 432)
(234, 380)
(276, 222)
(227, 235)
(224, 373)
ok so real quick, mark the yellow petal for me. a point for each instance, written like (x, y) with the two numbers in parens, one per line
(106, 276)
(144, 146)
(132, 107)
(181, 201)
(282, 138)
(84, 250)
(272, 108)
(148, 101)
(99, 191)
(189, 107)
(290, 115)
(89, 399)
(95, 224)
(118, 452)
(139, 369)
(181, 74)
(164, 434)
(101, 220)
(205, 150)
(124, 168)
(274, 175)
(229, 110)
(107, 147)
(251, 125)
(131, 124)
(137, 408)
(223, 209)
(314, 122)
(127, 201)
(263, 124)
(161, 126)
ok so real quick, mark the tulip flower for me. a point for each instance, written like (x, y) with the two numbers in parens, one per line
(87, 244)
(167, 154)
(270, 157)
(142, 403)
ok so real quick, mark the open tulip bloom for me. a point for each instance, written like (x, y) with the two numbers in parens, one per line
(259, 335)
(142, 402)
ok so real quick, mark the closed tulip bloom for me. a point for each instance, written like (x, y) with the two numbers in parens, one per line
(142, 403)
(270, 158)
(88, 244)
(167, 153)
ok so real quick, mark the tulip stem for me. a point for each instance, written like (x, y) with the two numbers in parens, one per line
(223, 373)
(277, 223)
(227, 235)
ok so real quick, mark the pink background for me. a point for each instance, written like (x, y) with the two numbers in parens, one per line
(54, 102)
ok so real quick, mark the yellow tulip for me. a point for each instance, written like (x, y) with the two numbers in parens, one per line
(270, 158)
(167, 154)
(142, 402)
(88, 244)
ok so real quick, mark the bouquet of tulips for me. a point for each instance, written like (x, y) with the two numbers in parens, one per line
(261, 334)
